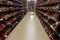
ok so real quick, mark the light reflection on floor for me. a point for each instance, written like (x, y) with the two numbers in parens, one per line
(32, 15)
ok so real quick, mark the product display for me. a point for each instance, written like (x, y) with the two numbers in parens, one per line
(48, 12)
(11, 13)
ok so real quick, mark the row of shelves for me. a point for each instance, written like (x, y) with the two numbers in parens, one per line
(48, 11)
(6, 16)
(6, 9)
(54, 16)
(11, 13)
(16, 1)
(10, 3)
(49, 28)
(52, 35)
(52, 20)
(48, 3)
(9, 9)
(51, 8)
(7, 25)
(8, 21)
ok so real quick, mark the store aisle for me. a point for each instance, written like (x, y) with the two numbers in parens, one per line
(29, 28)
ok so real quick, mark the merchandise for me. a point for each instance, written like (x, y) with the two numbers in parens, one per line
(48, 13)
(11, 12)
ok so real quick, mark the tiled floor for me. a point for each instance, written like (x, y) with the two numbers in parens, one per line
(29, 28)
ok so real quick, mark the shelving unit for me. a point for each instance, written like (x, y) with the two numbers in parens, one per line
(11, 13)
(48, 11)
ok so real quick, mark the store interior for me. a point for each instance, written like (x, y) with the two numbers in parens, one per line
(29, 20)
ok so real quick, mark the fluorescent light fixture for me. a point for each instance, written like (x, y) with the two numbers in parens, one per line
(28, 0)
